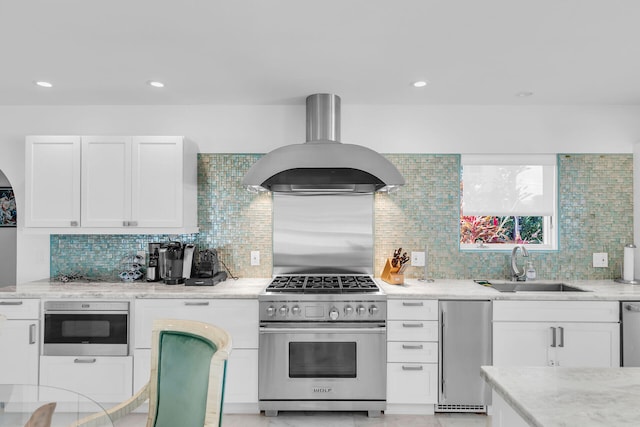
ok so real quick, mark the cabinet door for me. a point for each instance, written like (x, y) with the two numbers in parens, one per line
(19, 352)
(52, 190)
(157, 174)
(103, 379)
(588, 344)
(106, 181)
(523, 344)
(242, 377)
(412, 383)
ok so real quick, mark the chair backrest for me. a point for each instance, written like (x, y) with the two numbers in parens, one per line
(188, 366)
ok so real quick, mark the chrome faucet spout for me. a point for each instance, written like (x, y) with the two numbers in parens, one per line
(516, 274)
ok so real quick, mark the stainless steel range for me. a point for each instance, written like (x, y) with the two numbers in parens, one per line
(322, 344)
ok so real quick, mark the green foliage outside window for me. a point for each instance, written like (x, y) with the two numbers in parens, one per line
(502, 229)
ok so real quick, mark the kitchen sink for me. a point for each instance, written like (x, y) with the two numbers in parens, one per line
(534, 287)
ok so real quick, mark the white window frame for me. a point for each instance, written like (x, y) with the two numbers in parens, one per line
(550, 223)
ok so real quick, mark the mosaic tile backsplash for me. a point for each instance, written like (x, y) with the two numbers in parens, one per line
(595, 215)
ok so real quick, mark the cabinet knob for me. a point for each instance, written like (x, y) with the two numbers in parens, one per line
(74, 223)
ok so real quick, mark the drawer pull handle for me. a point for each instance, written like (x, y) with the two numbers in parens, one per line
(196, 303)
(412, 347)
(84, 360)
(412, 304)
(411, 368)
(412, 325)
(10, 302)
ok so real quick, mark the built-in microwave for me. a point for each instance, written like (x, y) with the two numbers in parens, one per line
(86, 328)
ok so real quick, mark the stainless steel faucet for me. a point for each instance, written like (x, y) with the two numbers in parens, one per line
(516, 274)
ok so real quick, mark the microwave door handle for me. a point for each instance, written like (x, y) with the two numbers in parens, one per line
(84, 360)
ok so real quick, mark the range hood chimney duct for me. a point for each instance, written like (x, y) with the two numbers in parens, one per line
(323, 164)
(323, 117)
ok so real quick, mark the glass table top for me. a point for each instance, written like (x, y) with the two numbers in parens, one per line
(18, 402)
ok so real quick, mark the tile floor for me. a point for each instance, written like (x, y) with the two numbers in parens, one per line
(336, 419)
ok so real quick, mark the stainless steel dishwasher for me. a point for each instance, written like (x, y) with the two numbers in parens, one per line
(465, 345)
(630, 333)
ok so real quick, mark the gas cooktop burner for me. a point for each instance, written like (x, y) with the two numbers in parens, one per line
(322, 284)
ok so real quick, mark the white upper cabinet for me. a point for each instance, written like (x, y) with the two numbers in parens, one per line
(157, 181)
(106, 181)
(52, 190)
(116, 184)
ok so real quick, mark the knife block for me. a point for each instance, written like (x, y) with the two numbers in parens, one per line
(391, 275)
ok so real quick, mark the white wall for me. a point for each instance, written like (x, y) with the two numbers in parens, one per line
(258, 129)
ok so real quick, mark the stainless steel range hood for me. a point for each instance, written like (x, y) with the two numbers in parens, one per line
(323, 164)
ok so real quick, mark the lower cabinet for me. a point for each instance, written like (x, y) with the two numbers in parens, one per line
(105, 379)
(412, 356)
(503, 414)
(412, 384)
(556, 344)
(556, 333)
(241, 388)
(239, 317)
(19, 341)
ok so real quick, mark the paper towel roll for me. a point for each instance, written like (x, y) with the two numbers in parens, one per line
(628, 264)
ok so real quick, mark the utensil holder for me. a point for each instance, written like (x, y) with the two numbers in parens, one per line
(391, 274)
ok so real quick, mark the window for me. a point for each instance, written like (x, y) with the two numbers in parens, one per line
(508, 200)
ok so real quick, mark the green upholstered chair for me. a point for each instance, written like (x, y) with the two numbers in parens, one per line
(186, 387)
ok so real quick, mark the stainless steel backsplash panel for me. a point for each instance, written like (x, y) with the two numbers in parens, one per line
(322, 234)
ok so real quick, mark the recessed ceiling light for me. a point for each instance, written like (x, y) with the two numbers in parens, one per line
(155, 83)
(420, 83)
(42, 83)
(524, 94)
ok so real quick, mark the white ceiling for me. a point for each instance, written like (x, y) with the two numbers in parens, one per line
(278, 51)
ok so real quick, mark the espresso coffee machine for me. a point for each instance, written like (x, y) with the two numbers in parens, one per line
(206, 269)
(172, 259)
(153, 269)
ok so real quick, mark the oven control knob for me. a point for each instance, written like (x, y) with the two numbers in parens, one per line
(373, 310)
(284, 310)
(271, 311)
(348, 310)
(295, 310)
(333, 313)
(361, 310)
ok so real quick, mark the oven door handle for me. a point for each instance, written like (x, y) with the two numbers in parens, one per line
(91, 312)
(377, 330)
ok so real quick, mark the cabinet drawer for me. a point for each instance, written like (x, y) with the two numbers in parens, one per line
(415, 352)
(556, 311)
(412, 383)
(238, 317)
(412, 330)
(103, 379)
(20, 308)
(412, 309)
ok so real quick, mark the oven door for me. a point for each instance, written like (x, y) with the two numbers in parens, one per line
(326, 361)
(86, 333)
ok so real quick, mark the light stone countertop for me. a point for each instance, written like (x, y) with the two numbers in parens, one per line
(598, 290)
(562, 397)
(241, 288)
